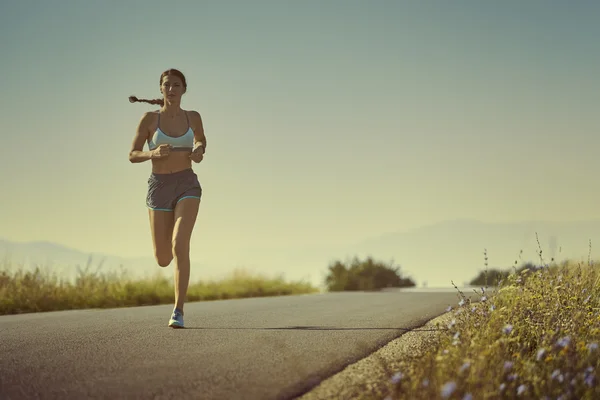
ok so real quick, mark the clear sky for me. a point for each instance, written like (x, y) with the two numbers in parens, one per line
(327, 122)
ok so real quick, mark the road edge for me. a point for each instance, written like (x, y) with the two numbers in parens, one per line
(369, 377)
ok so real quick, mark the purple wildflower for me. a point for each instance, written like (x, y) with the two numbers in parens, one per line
(564, 341)
(464, 367)
(397, 377)
(540, 354)
(448, 389)
(508, 365)
(557, 375)
(521, 389)
(589, 378)
(507, 329)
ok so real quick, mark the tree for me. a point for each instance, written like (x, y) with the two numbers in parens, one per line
(364, 275)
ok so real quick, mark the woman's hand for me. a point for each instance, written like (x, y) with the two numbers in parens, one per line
(197, 154)
(161, 151)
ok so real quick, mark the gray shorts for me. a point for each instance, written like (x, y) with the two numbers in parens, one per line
(166, 190)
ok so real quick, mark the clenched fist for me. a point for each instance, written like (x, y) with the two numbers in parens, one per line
(161, 151)
(197, 154)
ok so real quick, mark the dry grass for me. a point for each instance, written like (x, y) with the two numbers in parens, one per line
(536, 335)
(39, 290)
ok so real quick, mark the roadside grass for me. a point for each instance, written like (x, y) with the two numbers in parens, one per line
(40, 290)
(534, 335)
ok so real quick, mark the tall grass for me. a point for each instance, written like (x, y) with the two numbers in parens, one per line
(38, 290)
(536, 335)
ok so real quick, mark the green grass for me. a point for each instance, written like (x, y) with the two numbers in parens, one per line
(34, 291)
(535, 335)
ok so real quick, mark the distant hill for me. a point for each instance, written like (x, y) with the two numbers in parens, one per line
(436, 254)
(64, 260)
(453, 250)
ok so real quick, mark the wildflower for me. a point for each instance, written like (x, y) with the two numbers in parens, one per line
(507, 329)
(397, 377)
(508, 365)
(589, 378)
(461, 302)
(425, 382)
(484, 298)
(512, 377)
(557, 375)
(592, 346)
(502, 386)
(540, 354)
(473, 309)
(521, 389)
(464, 367)
(564, 341)
(448, 389)
(468, 396)
(449, 309)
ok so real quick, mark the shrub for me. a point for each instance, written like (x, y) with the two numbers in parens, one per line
(364, 275)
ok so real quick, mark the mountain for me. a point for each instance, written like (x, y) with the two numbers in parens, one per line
(65, 261)
(437, 254)
(454, 250)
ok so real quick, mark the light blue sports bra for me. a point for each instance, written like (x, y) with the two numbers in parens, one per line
(184, 142)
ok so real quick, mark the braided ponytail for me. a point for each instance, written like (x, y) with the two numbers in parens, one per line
(133, 99)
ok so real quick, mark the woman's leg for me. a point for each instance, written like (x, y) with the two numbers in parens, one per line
(186, 212)
(161, 226)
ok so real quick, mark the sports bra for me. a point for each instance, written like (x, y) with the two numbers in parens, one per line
(184, 142)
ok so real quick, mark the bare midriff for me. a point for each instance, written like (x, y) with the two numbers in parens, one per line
(176, 161)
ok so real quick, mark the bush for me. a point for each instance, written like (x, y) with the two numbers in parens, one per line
(492, 276)
(364, 275)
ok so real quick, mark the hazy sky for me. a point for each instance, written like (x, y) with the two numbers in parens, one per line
(327, 121)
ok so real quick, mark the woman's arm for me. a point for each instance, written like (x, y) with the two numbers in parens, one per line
(136, 153)
(199, 136)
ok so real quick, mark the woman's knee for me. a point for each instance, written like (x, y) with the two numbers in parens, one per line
(181, 247)
(163, 258)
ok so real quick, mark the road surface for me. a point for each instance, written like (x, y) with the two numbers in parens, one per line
(260, 348)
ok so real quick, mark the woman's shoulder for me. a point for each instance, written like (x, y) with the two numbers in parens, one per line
(149, 118)
(194, 116)
(193, 113)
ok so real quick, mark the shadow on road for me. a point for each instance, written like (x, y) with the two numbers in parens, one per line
(320, 328)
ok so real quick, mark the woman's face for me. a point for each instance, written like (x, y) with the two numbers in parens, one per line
(172, 88)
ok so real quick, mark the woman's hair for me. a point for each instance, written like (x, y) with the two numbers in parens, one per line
(172, 71)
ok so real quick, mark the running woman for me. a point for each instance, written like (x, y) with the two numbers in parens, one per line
(175, 138)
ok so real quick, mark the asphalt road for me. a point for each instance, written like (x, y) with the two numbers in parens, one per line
(261, 348)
